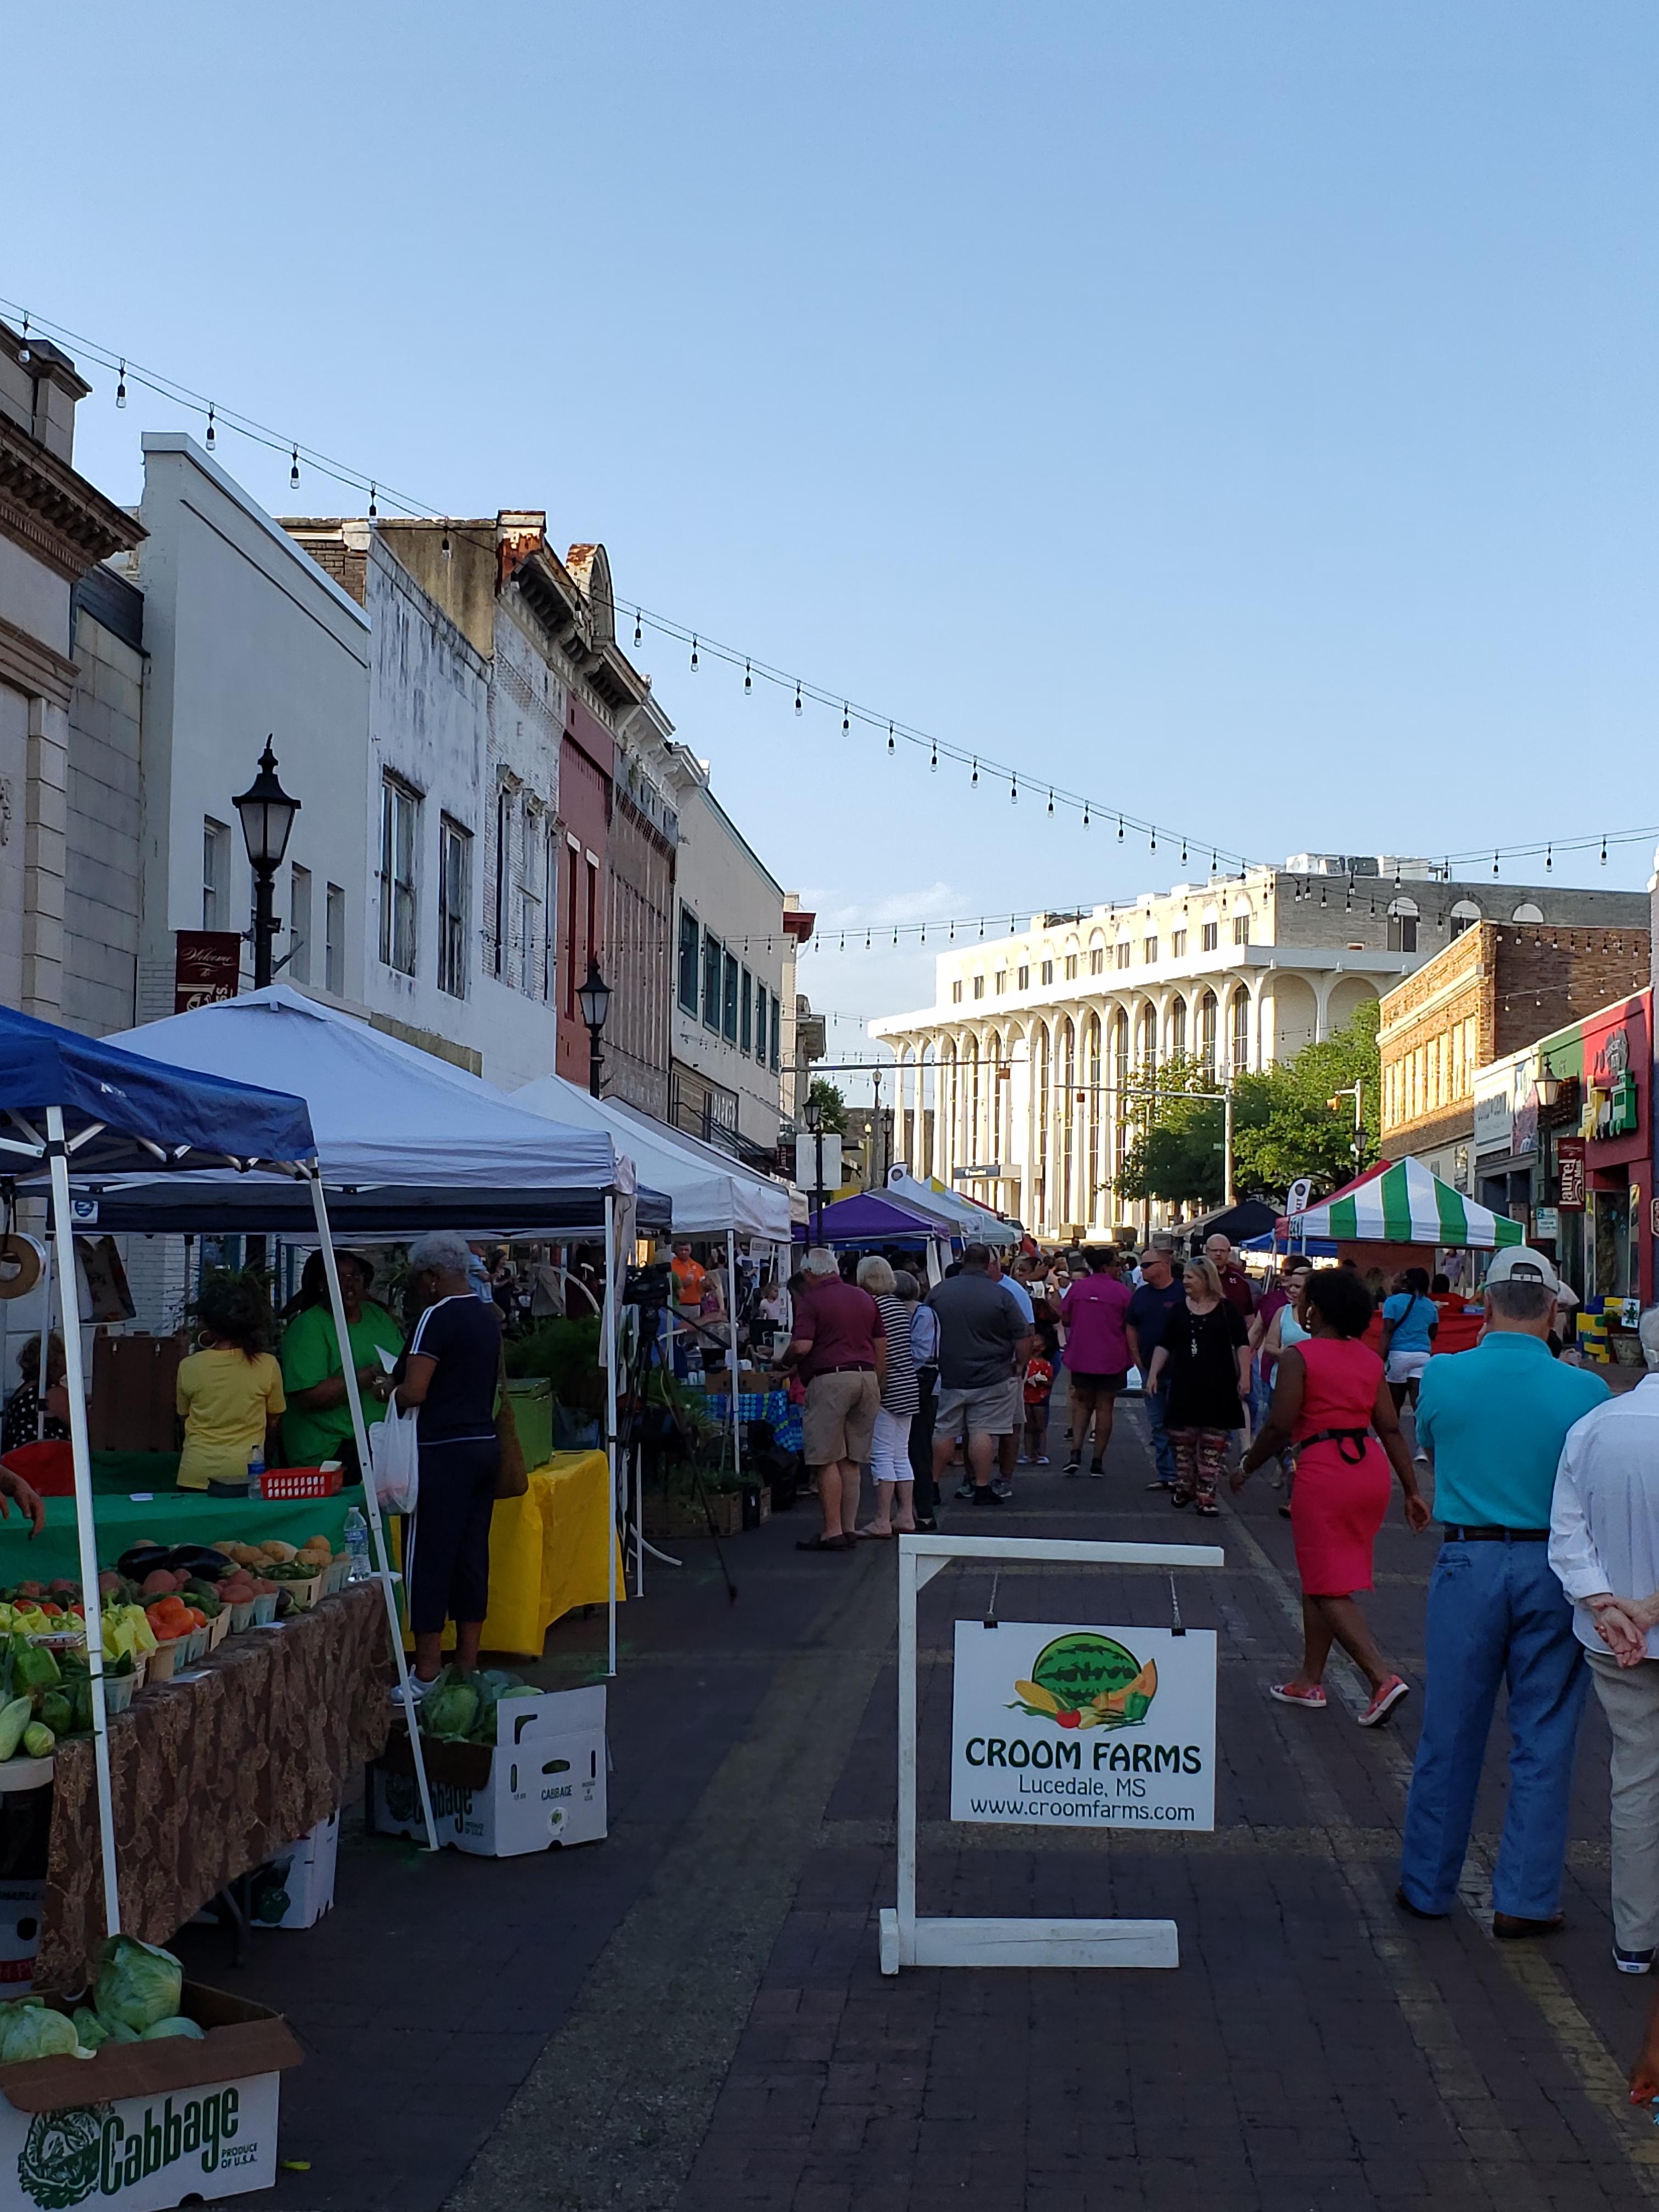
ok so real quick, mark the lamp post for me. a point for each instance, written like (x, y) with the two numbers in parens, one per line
(267, 815)
(812, 1115)
(1356, 1090)
(594, 1000)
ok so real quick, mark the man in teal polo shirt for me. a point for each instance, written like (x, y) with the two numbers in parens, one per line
(1494, 1420)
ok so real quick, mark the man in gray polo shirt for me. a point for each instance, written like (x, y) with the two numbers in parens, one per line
(980, 1331)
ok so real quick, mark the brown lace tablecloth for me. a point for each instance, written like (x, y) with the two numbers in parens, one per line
(212, 1777)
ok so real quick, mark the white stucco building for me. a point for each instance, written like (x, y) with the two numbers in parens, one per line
(1009, 1083)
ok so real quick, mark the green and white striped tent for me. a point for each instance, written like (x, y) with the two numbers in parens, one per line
(1407, 1205)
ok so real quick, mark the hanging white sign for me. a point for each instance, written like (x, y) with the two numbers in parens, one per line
(1058, 1725)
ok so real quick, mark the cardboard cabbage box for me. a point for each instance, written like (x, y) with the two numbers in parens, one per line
(542, 1781)
(147, 2125)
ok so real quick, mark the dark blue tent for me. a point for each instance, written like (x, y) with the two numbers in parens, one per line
(123, 1115)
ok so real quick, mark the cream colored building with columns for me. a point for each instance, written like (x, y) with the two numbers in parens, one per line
(1008, 1087)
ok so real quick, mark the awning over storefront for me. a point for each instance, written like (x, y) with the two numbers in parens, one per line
(1406, 1205)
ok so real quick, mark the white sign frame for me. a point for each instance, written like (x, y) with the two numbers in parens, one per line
(908, 1940)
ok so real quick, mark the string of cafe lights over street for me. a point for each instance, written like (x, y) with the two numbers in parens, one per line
(216, 417)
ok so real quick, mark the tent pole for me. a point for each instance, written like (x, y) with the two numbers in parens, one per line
(731, 1347)
(85, 1529)
(44, 1372)
(360, 1434)
(611, 1263)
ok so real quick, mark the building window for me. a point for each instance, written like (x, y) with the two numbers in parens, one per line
(1123, 952)
(1178, 944)
(760, 1021)
(1001, 981)
(1402, 926)
(690, 943)
(334, 932)
(216, 875)
(1149, 952)
(530, 924)
(1464, 915)
(1212, 936)
(1098, 960)
(746, 1012)
(956, 994)
(777, 1031)
(572, 893)
(1047, 971)
(400, 813)
(1071, 966)
(503, 840)
(454, 900)
(298, 927)
(1242, 1024)
(712, 971)
(1022, 979)
(1241, 929)
(729, 1000)
(979, 986)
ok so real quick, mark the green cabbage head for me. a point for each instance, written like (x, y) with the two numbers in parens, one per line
(138, 1983)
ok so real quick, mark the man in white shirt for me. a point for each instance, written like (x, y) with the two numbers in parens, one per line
(1604, 1547)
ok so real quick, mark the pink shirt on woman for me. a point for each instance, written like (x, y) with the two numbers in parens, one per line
(1094, 1311)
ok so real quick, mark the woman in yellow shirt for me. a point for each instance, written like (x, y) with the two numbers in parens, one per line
(230, 1392)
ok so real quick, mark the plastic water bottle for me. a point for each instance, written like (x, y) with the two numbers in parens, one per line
(256, 1468)
(356, 1543)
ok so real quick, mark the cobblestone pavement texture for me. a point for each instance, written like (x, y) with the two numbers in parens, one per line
(691, 2017)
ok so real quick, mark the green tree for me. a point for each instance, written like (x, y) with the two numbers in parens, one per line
(1285, 1124)
(827, 1097)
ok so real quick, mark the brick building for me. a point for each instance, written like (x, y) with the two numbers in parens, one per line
(1476, 1006)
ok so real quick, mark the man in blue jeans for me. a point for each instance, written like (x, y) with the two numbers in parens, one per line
(1494, 1420)
(1156, 1297)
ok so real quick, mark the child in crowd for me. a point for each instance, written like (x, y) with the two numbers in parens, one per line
(1039, 1387)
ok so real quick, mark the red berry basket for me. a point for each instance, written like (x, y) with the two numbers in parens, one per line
(300, 1481)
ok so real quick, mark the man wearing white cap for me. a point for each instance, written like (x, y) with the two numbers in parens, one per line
(1494, 1420)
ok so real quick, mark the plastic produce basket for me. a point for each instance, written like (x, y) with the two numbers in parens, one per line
(218, 1628)
(299, 1482)
(264, 1609)
(241, 1613)
(118, 1692)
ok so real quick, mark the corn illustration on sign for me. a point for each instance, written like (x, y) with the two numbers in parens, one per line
(1060, 1725)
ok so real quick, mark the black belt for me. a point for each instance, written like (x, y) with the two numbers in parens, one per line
(1341, 1438)
(1452, 1534)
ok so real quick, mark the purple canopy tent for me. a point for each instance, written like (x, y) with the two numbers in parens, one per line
(874, 1217)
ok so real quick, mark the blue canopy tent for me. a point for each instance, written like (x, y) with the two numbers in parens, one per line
(69, 1101)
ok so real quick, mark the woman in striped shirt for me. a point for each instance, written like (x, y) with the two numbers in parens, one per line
(890, 1451)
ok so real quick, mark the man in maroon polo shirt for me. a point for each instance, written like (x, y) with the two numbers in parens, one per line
(839, 1347)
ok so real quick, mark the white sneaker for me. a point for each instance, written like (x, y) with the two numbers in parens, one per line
(1420, 1456)
(417, 1690)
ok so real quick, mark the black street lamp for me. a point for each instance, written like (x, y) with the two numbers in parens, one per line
(812, 1114)
(594, 1000)
(267, 818)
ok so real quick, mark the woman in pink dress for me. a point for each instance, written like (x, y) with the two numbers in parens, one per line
(1328, 1396)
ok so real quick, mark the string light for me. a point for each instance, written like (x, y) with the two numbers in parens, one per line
(933, 763)
(694, 652)
(294, 470)
(1549, 860)
(25, 351)
(891, 747)
(373, 511)
(445, 548)
(748, 681)
(638, 632)
(1013, 791)
(212, 434)
(845, 724)
(798, 696)
(975, 778)
(1604, 852)
(121, 387)
(1119, 828)
(1051, 807)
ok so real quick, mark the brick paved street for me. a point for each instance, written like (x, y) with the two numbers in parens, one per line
(692, 2015)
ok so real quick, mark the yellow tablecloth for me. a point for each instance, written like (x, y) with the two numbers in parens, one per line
(547, 1552)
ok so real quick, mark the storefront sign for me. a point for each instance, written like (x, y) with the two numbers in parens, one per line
(1494, 1108)
(1546, 1223)
(1058, 1726)
(206, 968)
(1570, 1166)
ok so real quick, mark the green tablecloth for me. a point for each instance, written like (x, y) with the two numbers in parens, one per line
(172, 1517)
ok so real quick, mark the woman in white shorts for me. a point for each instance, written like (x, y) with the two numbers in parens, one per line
(1410, 1321)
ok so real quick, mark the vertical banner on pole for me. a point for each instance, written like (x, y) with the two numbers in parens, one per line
(612, 1261)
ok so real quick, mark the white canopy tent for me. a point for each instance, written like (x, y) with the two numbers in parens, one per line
(965, 1217)
(420, 1144)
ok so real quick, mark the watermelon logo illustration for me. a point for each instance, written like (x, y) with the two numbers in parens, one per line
(1084, 1680)
(60, 2161)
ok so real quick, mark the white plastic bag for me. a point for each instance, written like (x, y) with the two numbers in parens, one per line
(395, 1460)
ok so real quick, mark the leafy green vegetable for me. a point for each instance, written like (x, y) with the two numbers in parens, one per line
(138, 1983)
(56, 1713)
(14, 1719)
(175, 2024)
(33, 2031)
(32, 1667)
(89, 2029)
(449, 1708)
(493, 1686)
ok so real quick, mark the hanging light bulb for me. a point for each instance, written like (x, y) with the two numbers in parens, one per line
(637, 632)
(891, 747)
(1085, 813)
(1051, 801)
(373, 510)
(1549, 859)
(445, 548)
(866, 940)
(694, 650)
(846, 722)
(747, 681)
(924, 932)
(1013, 791)
(797, 694)
(25, 351)
(975, 777)
(212, 434)
(121, 387)
(934, 761)
(1119, 828)
(1322, 899)
(1183, 852)
(294, 470)
(844, 940)
(1494, 864)
(1604, 850)
(895, 937)
(1151, 841)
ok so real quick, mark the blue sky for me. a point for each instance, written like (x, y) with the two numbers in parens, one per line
(1240, 412)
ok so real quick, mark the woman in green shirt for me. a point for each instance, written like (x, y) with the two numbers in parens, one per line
(318, 1423)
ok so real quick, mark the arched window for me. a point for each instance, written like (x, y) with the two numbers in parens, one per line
(1178, 1028)
(1464, 915)
(1241, 1030)
(1091, 1065)
(972, 1138)
(1206, 1026)
(994, 1074)
(1527, 912)
(1119, 1050)
(1068, 1113)
(1403, 925)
